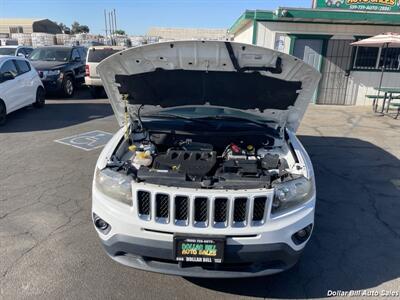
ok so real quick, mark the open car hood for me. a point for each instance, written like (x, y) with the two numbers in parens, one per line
(264, 82)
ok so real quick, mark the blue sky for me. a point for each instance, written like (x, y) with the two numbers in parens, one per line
(136, 16)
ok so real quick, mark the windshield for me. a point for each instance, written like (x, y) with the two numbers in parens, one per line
(97, 55)
(7, 51)
(50, 54)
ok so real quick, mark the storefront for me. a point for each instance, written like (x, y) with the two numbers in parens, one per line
(322, 35)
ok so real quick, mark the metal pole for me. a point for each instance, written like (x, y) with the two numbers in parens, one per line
(383, 65)
(381, 79)
(111, 31)
(115, 20)
(105, 21)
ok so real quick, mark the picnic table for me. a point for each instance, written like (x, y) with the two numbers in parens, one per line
(389, 94)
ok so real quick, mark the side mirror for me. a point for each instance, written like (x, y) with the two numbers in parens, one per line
(6, 76)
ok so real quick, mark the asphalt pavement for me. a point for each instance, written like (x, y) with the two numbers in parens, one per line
(50, 250)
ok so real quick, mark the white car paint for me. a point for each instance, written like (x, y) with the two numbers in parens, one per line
(22, 51)
(92, 78)
(20, 91)
(275, 229)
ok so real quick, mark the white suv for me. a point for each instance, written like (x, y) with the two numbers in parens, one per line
(206, 176)
(94, 56)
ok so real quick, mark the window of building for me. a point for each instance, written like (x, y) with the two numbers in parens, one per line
(16, 29)
(392, 60)
(371, 58)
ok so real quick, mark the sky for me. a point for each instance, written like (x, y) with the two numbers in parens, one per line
(136, 16)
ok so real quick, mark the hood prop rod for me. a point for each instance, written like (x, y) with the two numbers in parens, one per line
(274, 70)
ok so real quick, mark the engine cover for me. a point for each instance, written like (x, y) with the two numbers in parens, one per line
(194, 163)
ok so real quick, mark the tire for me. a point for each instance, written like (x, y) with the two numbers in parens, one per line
(96, 91)
(3, 113)
(68, 87)
(40, 98)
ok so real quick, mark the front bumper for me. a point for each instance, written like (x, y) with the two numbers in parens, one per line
(52, 84)
(249, 251)
(239, 260)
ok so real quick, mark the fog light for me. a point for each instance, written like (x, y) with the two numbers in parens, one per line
(100, 224)
(302, 235)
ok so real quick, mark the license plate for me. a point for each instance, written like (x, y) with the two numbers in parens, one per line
(199, 249)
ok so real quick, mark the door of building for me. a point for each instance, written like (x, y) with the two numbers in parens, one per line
(309, 50)
(335, 87)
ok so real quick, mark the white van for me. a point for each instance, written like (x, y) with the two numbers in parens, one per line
(94, 56)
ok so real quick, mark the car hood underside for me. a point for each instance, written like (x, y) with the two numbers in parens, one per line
(260, 81)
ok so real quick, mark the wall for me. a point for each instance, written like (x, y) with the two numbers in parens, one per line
(360, 83)
(267, 30)
(245, 34)
(188, 33)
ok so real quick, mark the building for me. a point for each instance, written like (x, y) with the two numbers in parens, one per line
(322, 35)
(168, 34)
(10, 26)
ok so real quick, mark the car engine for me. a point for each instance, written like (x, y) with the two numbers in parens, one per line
(232, 162)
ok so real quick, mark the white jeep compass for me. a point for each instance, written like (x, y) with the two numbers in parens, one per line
(206, 176)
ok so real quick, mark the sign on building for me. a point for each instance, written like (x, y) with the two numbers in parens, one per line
(369, 5)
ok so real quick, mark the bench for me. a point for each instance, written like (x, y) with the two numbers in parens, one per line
(375, 101)
(396, 104)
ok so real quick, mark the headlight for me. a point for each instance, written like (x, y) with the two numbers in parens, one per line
(114, 185)
(53, 72)
(291, 193)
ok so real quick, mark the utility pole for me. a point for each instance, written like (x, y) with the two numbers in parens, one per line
(105, 21)
(115, 20)
(111, 29)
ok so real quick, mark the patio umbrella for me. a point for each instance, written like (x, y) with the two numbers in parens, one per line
(386, 40)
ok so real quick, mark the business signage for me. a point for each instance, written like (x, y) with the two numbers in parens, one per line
(368, 5)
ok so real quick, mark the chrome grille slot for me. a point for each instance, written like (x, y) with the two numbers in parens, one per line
(259, 208)
(181, 208)
(143, 202)
(220, 210)
(239, 211)
(162, 207)
(200, 210)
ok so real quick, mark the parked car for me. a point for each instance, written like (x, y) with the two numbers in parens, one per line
(206, 176)
(20, 86)
(94, 56)
(16, 50)
(61, 68)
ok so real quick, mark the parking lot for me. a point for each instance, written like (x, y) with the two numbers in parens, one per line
(50, 249)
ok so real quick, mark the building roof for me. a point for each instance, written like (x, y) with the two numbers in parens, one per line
(310, 15)
(19, 22)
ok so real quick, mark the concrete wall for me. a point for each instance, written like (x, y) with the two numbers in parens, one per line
(362, 83)
(267, 31)
(273, 35)
(188, 33)
(245, 34)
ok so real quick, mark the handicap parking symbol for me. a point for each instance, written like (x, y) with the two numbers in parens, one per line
(88, 140)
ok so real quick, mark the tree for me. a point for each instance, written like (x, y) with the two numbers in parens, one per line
(64, 28)
(119, 32)
(78, 28)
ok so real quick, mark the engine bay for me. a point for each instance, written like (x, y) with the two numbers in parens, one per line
(208, 161)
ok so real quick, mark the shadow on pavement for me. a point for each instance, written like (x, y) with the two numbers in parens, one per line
(56, 115)
(356, 240)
